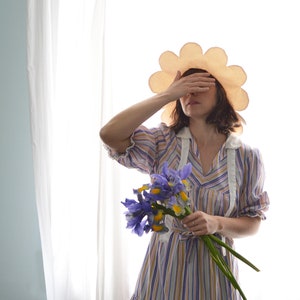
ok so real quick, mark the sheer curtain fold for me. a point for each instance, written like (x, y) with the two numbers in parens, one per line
(66, 83)
(40, 65)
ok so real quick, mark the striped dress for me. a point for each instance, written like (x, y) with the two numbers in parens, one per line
(178, 266)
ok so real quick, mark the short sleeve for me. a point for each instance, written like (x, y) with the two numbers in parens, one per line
(254, 201)
(142, 154)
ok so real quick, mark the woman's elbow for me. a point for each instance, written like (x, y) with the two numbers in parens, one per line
(104, 134)
(113, 142)
(254, 225)
(108, 137)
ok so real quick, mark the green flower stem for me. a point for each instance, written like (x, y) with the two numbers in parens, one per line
(214, 253)
(236, 254)
(219, 260)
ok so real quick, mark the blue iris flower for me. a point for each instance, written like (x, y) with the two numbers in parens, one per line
(167, 185)
(138, 215)
(142, 216)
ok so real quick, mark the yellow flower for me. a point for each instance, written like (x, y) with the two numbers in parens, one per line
(178, 209)
(185, 182)
(143, 188)
(157, 228)
(183, 196)
(155, 191)
(159, 216)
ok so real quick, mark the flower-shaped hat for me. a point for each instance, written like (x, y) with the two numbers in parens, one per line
(214, 61)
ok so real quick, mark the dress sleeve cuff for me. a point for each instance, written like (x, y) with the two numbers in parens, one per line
(116, 155)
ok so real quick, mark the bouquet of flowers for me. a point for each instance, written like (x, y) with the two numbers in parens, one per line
(167, 194)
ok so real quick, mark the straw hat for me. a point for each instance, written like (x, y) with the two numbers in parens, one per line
(214, 61)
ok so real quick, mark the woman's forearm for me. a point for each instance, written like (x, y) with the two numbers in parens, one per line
(116, 133)
(238, 227)
(201, 223)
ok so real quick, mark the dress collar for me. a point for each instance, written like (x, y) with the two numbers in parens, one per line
(232, 142)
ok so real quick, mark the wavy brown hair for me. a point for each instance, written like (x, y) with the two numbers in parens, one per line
(223, 116)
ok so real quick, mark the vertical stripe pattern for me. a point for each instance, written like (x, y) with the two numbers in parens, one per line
(180, 268)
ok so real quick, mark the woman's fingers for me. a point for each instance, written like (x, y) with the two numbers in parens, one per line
(200, 223)
(197, 82)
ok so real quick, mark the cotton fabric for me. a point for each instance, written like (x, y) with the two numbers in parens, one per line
(180, 267)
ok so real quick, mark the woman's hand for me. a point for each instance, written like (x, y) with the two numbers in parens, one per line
(200, 223)
(194, 83)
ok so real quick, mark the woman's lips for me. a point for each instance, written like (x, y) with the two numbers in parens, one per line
(193, 103)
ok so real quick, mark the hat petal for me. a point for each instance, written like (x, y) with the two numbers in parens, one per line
(216, 56)
(159, 81)
(190, 50)
(169, 62)
(237, 74)
(191, 56)
(238, 98)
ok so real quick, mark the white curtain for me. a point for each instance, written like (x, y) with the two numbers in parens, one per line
(88, 59)
(77, 214)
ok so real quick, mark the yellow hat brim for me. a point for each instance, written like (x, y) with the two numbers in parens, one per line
(214, 61)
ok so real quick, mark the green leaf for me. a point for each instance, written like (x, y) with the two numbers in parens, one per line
(220, 262)
(214, 253)
(233, 252)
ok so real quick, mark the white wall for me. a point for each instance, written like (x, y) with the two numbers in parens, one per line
(21, 269)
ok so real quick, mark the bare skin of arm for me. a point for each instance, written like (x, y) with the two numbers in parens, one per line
(116, 133)
(201, 223)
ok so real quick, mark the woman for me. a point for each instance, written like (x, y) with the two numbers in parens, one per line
(227, 178)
